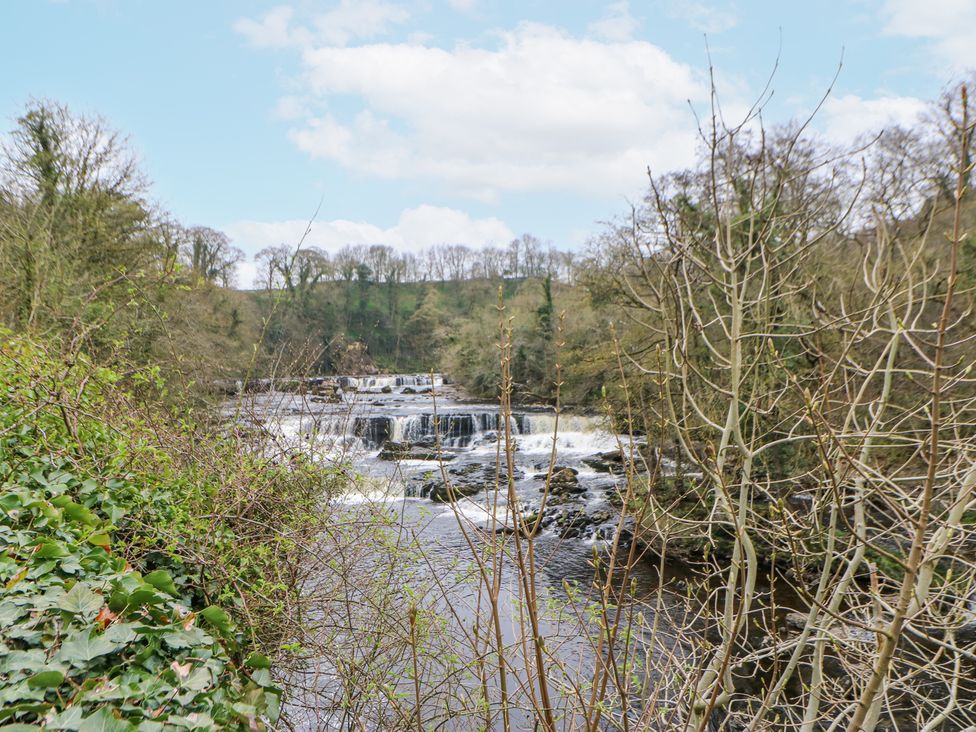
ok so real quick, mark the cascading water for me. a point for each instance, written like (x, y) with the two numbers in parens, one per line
(390, 381)
(459, 441)
(392, 430)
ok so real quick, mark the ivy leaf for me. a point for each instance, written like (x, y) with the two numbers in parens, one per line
(16, 578)
(99, 538)
(219, 619)
(83, 646)
(46, 680)
(161, 580)
(80, 600)
(120, 634)
(104, 721)
(70, 718)
(257, 660)
(51, 550)
(9, 612)
(75, 511)
(144, 596)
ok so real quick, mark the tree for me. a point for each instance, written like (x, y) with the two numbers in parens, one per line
(211, 257)
(75, 220)
(296, 272)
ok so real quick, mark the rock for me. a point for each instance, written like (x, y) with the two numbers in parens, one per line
(387, 389)
(408, 390)
(795, 620)
(353, 358)
(563, 481)
(440, 493)
(616, 462)
(561, 499)
(227, 387)
(466, 479)
(466, 470)
(606, 462)
(407, 451)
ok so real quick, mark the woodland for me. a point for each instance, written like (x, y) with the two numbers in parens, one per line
(782, 337)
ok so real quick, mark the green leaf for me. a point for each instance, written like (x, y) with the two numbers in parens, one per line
(46, 680)
(104, 721)
(51, 550)
(219, 619)
(256, 660)
(161, 580)
(144, 596)
(77, 512)
(69, 718)
(9, 612)
(120, 634)
(82, 646)
(80, 600)
(99, 538)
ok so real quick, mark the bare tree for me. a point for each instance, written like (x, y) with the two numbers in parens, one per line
(210, 255)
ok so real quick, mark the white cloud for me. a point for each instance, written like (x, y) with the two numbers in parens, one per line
(348, 20)
(272, 30)
(541, 110)
(950, 25)
(290, 108)
(416, 228)
(847, 117)
(617, 25)
(246, 274)
(465, 6)
(359, 19)
(705, 17)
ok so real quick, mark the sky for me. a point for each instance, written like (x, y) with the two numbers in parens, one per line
(418, 122)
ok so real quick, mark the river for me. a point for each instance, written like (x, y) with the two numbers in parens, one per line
(400, 439)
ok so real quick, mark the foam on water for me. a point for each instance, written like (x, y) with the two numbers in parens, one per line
(573, 442)
(478, 513)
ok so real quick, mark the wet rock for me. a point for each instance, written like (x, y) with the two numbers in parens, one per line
(617, 462)
(466, 470)
(407, 451)
(387, 389)
(563, 481)
(408, 390)
(442, 493)
(795, 621)
(334, 398)
(466, 480)
(606, 462)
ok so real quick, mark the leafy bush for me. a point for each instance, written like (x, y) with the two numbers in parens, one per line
(112, 550)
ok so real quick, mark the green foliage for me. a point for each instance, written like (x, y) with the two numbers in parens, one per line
(88, 263)
(112, 565)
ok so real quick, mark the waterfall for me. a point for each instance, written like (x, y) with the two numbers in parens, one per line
(367, 425)
(577, 433)
(390, 381)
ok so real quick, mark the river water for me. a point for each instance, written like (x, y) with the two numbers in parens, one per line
(428, 556)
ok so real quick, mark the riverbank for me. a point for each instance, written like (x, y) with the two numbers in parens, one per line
(138, 589)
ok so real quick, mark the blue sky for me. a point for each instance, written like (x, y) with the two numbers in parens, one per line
(416, 122)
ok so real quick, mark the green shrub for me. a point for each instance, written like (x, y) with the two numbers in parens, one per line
(119, 543)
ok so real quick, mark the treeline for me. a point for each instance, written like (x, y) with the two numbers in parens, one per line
(285, 266)
(370, 306)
